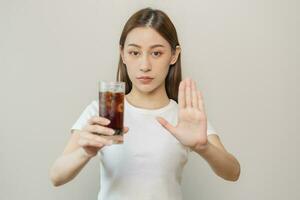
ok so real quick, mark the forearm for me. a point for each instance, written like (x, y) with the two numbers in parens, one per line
(223, 163)
(66, 167)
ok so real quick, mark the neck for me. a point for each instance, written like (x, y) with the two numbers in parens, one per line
(151, 100)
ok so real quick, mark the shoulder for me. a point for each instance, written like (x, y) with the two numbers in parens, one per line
(92, 108)
(94, 104)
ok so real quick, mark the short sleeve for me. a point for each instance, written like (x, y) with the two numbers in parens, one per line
(90, 111)
(210, 128)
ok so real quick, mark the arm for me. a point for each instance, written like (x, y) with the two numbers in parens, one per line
(82, 146)
(223, 163)
(70, 163)
(191, 131)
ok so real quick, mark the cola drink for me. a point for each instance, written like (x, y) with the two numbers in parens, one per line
(111, 104)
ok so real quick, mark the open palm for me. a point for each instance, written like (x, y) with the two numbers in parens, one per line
(192, 123)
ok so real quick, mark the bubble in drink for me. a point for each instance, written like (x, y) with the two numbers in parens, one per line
(111, 106)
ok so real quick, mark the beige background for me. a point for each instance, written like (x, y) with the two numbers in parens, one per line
(243, 54)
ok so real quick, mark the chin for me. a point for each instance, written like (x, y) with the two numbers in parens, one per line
(146, 88)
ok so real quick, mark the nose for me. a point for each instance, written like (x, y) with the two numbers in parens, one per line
(145, 65)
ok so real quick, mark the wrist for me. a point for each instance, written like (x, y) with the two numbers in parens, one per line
(202, 148)
(84, 155)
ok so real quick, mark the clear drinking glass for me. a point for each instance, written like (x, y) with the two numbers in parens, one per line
(111, 104)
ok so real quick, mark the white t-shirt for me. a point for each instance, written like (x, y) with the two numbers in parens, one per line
(149, 163)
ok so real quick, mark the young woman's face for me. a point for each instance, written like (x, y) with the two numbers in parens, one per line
(147, 56)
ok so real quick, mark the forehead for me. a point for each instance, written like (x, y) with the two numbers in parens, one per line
(145, 37)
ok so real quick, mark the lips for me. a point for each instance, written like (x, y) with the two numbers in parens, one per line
(145, 79)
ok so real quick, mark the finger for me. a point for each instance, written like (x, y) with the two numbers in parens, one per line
(181, 95)
(200, 101)
(98, 120)
(96, 138)
(125, 129)
(116, 139)
(167, 125)
(99, 130)
(188, 94)
(92, 143)
(194, 95)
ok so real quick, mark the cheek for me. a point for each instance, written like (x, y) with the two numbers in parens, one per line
(162, 64)
(131, 71)
(129, 61)
(131, 65)
(164, 60)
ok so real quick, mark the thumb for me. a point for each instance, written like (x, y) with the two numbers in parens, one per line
(166, 125)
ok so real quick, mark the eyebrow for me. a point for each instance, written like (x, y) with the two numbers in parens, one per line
(153, 46)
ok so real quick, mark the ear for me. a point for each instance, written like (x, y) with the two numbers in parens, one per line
(121, 53)
(175, 55)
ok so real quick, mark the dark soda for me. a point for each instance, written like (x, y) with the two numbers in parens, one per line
(111, 106)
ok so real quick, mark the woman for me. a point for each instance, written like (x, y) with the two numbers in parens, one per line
(159, 133)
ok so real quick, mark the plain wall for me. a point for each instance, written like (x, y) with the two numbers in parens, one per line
(244, 55)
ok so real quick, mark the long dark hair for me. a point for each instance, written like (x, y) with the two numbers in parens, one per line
(160, 22)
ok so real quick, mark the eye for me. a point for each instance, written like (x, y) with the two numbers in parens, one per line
(134, 53)
(156, 53)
